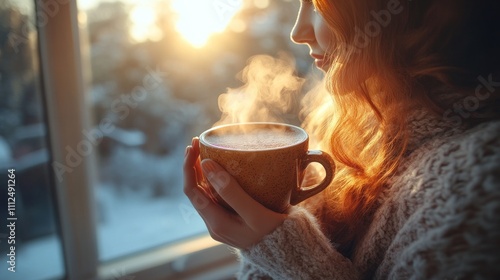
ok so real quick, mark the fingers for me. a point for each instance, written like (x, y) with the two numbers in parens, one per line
(241, 231)
(228, 188)
(192, 178)
(196, 149)
(223, 225)
(199, 197)
(189, 171)
(192, 162)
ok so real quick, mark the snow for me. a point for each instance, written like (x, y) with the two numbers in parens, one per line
(135, 223)
(131, 217)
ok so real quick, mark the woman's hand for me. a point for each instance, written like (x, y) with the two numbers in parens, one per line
(252, 220)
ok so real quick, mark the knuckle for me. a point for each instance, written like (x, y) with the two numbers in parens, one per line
(197, 198)
(200, 201)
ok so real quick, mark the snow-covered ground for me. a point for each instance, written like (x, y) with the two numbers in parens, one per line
(136, 223)
(141, 204)
(133, 223)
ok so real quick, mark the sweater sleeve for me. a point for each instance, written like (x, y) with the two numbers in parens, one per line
(296, 250)
(455, 234)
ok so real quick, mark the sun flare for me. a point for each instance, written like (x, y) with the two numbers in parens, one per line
(143, 24)
(197, 20)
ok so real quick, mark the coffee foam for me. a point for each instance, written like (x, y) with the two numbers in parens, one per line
(257, 139)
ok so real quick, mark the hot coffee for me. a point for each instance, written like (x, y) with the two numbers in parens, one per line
(268, 160)
(256, 139)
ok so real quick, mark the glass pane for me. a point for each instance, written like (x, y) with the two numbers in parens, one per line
(29, 244)
(158, 68)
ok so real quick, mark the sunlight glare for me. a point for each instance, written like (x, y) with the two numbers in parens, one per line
(143, 24)
(197, 20)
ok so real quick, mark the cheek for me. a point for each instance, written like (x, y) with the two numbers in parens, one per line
(324, 36)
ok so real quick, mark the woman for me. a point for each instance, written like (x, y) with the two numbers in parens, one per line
(412, 121)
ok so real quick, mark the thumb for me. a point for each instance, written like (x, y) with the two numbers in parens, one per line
(216, 175)
(230, 191)
(255, 215)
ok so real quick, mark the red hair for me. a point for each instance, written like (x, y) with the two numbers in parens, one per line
(418, 47)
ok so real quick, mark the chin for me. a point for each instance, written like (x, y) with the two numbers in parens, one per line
(323, 64)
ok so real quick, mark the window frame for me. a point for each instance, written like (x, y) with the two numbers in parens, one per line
(65, 77)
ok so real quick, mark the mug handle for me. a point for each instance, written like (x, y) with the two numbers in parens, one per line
(299, 194)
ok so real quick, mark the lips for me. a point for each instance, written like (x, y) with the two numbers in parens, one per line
(318, 56)
(320, 60)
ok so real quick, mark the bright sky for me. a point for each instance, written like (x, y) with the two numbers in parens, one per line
(196, 21)
(197, 24)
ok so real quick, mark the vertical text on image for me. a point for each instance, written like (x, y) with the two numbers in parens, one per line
(11, 219)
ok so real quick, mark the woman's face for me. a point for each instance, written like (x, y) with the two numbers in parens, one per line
(311, 29)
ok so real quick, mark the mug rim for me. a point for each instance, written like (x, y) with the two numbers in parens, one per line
(294, 127)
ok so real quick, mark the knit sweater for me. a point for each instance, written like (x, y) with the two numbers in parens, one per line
(439, 218)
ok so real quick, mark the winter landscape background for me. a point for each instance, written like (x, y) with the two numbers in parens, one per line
(129, 47)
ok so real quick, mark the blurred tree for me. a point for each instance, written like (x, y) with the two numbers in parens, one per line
(18, 74)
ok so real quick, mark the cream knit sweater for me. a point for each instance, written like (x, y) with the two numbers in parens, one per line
(439, 219)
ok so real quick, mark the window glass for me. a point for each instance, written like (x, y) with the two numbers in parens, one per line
(29, 245)
(157, 70)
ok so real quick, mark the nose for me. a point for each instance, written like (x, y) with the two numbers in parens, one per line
(303, 30)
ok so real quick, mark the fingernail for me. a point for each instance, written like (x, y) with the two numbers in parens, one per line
(208, 166)
(187, 150)
(218, 178)
(209, 170)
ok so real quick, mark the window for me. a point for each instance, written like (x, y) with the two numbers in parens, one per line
(126, 84)
(27, 216)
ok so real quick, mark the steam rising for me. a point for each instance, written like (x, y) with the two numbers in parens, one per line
(270, 92)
